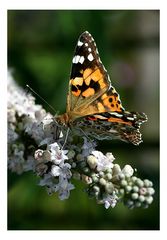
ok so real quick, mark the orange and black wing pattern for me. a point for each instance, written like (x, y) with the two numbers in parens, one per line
(93, 104)
(90, 89)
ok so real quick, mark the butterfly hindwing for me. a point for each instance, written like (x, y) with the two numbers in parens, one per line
(113, 125)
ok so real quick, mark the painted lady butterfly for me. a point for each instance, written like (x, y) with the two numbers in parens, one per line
(93, 104)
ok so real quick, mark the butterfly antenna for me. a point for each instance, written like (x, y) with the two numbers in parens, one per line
(41, 98)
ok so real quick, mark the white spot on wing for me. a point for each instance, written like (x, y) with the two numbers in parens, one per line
(90, 57)
(89, 49)
(86, 44)
(81, 60)
(80, 43)
(116, 114)
(130, 118)
(76, 59)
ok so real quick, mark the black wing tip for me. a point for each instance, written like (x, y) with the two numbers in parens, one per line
(86, 32)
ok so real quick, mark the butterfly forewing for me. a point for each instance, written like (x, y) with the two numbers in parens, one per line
(89, 79)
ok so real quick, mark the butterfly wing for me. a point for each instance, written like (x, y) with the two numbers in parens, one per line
(113, 125)
(93, 103)
(90, 89)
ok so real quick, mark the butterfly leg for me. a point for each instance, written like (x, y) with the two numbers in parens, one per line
(66, 137)
(90, 140)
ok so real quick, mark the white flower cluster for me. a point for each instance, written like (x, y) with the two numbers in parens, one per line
(105, 178)
(36, 143)
(19, 103)
(28, 126)
(55, 171)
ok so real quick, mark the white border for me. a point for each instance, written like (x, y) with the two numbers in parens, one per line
(81, 4)
(3, 119)
(78, 4)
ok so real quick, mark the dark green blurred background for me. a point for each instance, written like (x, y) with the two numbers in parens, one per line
(40, 51)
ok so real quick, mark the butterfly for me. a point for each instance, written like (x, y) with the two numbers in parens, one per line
(93, 104)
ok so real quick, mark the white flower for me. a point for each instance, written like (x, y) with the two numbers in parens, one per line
(12, 135)
(63, 188)
(47, 180)
(30, 164)
(16, 158)
(57, 155)
(47, 119)
(103, 162)
(63, 171)
(87, 147)
(128, 171)
(11, 115)
(37, 132)
(110, 201)
(21, 103)
(40, 114)
(110, 156)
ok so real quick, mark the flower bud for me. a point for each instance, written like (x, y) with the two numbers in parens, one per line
(116, 169)
(143, 191)
(109, 176)
(135, 188)
(121, 176)
(128, 188)
(101, 174)
(95, 179)
(96, 188)
(141, 198)
(134, 179)
(38, 154)
(109, 187)
(139, 183)
(124, 183)
(71, 154)
(92, 161)
(150, 191)
(86, 179)
(134, 196)
(102, 181)
(147, 183)
(149, 199)
(128, 171)
(137, 204)
(86, 170)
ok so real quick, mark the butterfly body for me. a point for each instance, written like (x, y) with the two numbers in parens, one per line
(93, 104)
